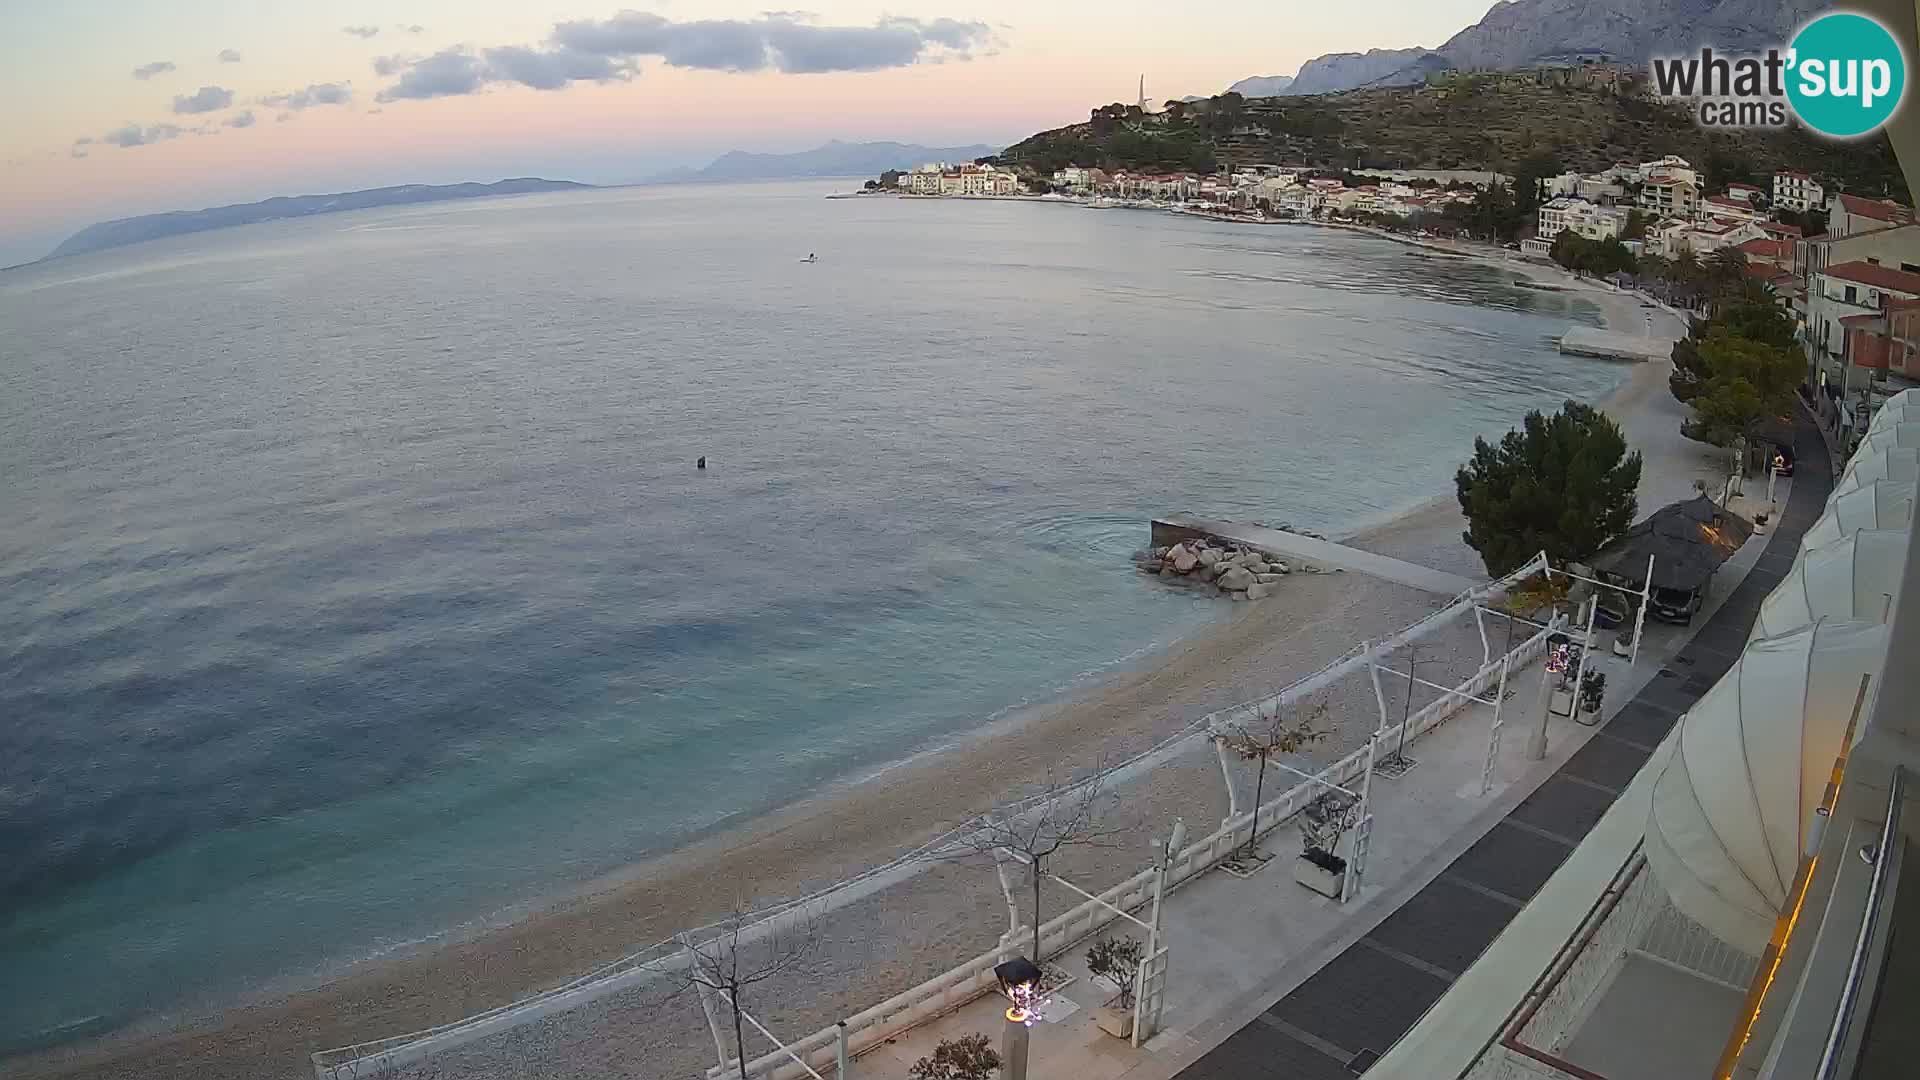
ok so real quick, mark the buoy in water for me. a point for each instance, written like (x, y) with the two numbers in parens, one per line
(701, 464)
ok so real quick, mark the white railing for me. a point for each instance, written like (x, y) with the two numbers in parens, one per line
(955, 988)
(960, 985)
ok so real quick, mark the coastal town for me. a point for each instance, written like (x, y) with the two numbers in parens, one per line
(1845, 266)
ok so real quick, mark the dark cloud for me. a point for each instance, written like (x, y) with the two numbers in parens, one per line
(360, 31)
(148, 71)
(317, 94)
(204, 100)
(135, 135)
(549, 69)
(444, 74)
(229, 56)
(596, 50)
(241, 119)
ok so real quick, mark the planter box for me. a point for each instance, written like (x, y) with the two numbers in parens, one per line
(1561, 704)
(1327, 883)
(1622, 647)
(1115, 1021)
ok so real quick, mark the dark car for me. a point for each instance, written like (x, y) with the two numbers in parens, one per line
(1783, 460)
(1673, 605)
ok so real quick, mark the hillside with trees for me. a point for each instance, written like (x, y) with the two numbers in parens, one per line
(1473, 121)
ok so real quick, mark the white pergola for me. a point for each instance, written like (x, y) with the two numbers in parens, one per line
(1883, 504)
(1889, 436)
(1892, 463)
(1901, 408)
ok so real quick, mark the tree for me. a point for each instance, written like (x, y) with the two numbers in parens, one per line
(1267, 734)
(1116, 961)
(745, 953)
(1745, 380)
(1033, 831)
(1636, 227)
(1562, 484)
(969, 1057)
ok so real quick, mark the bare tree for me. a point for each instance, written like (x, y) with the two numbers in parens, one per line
(1032, 831)
(746, 952)
(1269, 732)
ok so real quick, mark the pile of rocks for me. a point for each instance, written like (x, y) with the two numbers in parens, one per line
(1234, 569)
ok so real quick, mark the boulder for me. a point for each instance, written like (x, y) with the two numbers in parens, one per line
(1278, 567)
(1183, 560)
(1166, 572)
(1236, 578)
(1208, 556)
(1268, 579)
(1256, 565)
(1259, 590)
(1151, 566)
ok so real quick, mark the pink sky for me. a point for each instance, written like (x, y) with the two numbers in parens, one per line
(1017, 68)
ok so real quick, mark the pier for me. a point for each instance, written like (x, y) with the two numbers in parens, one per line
(1586, 341)
(1174, 528)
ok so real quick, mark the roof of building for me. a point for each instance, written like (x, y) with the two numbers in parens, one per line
(1767, 249)
(1731, 202)
(1880, 277)
(1742, 187)
(1794, 174)
(1877, 209)
(1782, 229)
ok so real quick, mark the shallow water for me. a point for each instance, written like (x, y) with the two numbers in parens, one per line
(356, 580)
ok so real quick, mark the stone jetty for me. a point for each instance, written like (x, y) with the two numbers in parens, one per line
(1233, 570)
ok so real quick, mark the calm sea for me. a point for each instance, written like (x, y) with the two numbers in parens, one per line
(356, 579)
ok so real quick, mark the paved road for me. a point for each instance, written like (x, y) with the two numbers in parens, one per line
(1341, 1020)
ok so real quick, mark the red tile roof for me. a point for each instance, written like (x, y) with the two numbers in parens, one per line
(1779, 229)
(1877, 209)
(1767, 249)
(1794, 174)
(1880, 277)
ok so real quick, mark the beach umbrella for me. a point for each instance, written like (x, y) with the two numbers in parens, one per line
(1855, 577)
(1895, 463)
(1883, 504)
(1688, 541)
(1734, 800)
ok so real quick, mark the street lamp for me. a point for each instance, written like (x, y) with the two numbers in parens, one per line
(1020, 981)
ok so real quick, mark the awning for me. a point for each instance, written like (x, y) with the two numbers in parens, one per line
(1883, 504)
(1855, 577)
(1892, 435)
(1901, 408)
(1731, 806)
(1896, 463)
(1688, 541)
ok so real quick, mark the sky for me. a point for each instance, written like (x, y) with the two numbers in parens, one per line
(137, 106)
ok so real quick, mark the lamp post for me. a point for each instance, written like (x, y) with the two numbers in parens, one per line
(1552, 664)
(1020, 981)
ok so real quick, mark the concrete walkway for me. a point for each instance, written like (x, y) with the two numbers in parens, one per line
(1586, 341)
(1269, 980)
(1175, 527)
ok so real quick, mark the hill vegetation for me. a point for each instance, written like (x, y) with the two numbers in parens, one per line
(1477, 121)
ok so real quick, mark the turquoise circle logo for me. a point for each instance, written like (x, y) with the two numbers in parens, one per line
(1848, 75)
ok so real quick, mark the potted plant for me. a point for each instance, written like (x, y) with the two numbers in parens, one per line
(1116, 962)
(969, 1057)
(1623, 641)
(1322, 822)
(1593, 690)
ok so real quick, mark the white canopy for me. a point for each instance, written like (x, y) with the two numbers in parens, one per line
(1901, 408)
(1883, 504)
(1731, 805)
(1897, 463)
(1892, 435)
(1855, 577)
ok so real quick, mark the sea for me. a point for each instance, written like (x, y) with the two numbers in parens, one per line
(358, 583)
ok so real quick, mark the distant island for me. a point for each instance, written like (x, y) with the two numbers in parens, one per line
(133, 230)
(836, 158)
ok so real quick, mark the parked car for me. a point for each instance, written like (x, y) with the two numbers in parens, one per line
(1673, 605)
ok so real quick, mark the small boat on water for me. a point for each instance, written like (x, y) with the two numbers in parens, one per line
(811, 258)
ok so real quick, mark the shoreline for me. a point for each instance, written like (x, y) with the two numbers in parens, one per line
(852, 824)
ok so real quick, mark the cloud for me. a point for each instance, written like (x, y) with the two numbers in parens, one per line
(148, 71)
(590, 50)
(416, 28)
(134, 135)
(360, 31)
(77, 151)
(317, 94)
(229, 56)
(204, 100)
(241, 119)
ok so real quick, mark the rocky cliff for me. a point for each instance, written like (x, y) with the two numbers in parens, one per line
(1261, 86)
(1344, 71)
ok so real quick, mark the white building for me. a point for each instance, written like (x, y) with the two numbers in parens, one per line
(1672, 194)
(1840, 290)
(1797, 191)
(1584, 218)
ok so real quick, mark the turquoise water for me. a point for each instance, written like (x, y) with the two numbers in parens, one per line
(356, 581)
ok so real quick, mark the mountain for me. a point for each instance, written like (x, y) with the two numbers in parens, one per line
(834, 159)
(1520, 33)
(133, 230)
(1261, 86)
(1344, 71)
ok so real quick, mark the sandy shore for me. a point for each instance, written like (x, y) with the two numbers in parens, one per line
(910, 931)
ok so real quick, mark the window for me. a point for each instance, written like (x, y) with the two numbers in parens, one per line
(1851, 298)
